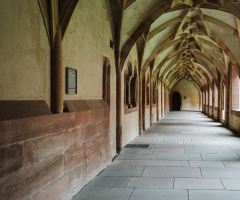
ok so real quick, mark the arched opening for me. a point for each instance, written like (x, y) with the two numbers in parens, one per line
(176, 101)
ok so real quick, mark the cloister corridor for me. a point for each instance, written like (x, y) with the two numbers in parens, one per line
(184, 156)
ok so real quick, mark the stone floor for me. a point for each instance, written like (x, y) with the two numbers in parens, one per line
(190, 157)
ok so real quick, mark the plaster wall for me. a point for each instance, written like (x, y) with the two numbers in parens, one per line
(130, 125)
(24, 52)
(154, 114)
(234, 121)
(147, 118)
(86, 42)
(186, 88)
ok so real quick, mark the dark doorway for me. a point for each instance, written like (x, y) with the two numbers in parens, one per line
(176, 101)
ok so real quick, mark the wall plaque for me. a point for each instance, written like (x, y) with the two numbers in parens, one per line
(71, 81)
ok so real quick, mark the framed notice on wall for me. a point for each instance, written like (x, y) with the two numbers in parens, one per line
(71, 81)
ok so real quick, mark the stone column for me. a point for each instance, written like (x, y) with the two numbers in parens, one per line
(213, 98)
(157, 106)
(57, 82)
(150, 100)
(228, 94)
(209, 100)
(140, 106)
(206, 100)
(119, 113)
(162, 99)
(105, 82)
(129, 93)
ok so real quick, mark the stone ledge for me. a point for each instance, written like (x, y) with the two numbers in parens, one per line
(130, 110)
(236, 113)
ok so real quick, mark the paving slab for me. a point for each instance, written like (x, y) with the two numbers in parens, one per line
(230, 157)
(213, 195)
(125, 162)
(150, 183)
(171, 172)
(231, 184)
(162, 163)
(200, 151)
(138, 156)
(199, 184)
(108, 182)
(206, 164)
(157, 194)
(172, 146)
(232, 164)
(178, 157)
(122, 171)
(220, 172)
(104, 194)
(170, 151)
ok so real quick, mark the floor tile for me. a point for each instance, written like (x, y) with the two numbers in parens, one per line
(213, 195)
(146, 151)
(138, 156)
(131, 150)
(108, 182)
(162, 163)
(232, 163)
(124, 162)
(171, 172)
(178, 157)
(203, 142)
(206, 164)
(172, 146)
(231, 184)
(150, 183)
(200, 151)
(230, 157)
(104, 194)
(199, 184)
(122, 171)
(220, 172)
(170, 151)
(157, 194)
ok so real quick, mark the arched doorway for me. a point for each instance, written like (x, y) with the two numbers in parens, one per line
(176, 101)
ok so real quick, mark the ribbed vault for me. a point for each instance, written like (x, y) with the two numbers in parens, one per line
(192, 39)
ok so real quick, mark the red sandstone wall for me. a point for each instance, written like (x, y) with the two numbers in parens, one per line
(51, 157)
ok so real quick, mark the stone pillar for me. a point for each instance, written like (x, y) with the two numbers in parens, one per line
(200, 99)
(162, 99)
(105, 82)
(129, 92)
(228, 94)
(57, 82)
(140, 106)
(206, 100)
(209, 99)
(157, 106)
(150, 101)
(119, 113)
(213, 98)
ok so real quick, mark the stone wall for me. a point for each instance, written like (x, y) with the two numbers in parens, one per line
(54, 156)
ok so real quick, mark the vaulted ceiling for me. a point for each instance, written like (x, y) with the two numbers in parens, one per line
(192, 39)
